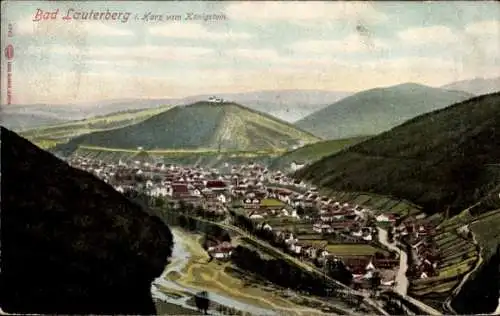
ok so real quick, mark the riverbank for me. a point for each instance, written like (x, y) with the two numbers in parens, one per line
(191, 271)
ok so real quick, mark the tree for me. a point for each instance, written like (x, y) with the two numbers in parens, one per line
(376, 281)
(202, 302)
(159, 202)
(183, 222)
(379, 255)
(390, 236)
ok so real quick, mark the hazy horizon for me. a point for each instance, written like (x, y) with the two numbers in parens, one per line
(259, 46)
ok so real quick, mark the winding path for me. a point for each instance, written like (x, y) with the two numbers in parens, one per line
(401, 283)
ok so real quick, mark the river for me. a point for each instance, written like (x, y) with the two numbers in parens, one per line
(180, 257)
(401, 279)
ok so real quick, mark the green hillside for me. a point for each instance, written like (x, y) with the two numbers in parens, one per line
(313, 152)
(377, 110)
(201, 126)
(49, 136)
(440, 159)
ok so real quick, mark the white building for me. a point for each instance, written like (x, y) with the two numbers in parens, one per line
(296, 166)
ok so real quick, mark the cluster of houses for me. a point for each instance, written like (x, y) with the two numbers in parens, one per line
(263, 193)
(419, 232)
(220, 251)
(198, 186)
(215, 99)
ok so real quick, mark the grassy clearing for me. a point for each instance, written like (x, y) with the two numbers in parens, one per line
(212, 276)
(183, 152)
(314, 152)
(271, 203)
(46, 143)
(101, 123)
(164, 308)
(487, 233)
(458, 258)
(362, 199)
(441, 288)
(314, 236)
(457, 269)
(284, 221)
(315, 243)
(346, 250)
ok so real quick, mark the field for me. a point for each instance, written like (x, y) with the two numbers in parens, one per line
(164, 308)
(313, 152)
(459, 257)
(307, 236)
(346, 250)
(188, 157)
(49, 136)
(271, 202)
(487, 232)
(223, 279)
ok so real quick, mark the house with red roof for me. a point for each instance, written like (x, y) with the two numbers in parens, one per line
(216, 185)
(221, 251)
(178, 191)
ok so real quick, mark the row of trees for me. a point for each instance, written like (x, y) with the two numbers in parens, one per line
(335, 270)
(199, 211)
(280, 272)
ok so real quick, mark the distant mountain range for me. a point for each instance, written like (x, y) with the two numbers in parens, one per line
(376, 110)
(22, 121)
(202, 125)
(63, 131)
(475, 86)
(288, 105)
(446, 158)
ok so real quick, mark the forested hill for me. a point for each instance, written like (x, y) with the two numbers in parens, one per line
(436, 160)
(201, 125)
(377, 110)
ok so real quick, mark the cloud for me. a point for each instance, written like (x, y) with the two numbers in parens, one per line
(329, 75)
(252, 53)
(484, 28)
(194, 31)
(138, 53)
(302, 11)
(426, 35)
(353, 43)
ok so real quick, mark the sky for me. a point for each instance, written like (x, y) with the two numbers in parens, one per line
(241, 46)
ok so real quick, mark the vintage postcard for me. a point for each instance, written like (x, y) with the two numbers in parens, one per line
(250, 157)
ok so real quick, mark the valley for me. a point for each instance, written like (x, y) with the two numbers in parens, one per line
(251, 158)
(421, 255)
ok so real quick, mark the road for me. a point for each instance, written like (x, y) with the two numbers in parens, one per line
(401, 283)
(341, 287)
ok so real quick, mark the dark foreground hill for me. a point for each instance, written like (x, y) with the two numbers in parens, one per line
(377, 110)
(440, 159)
(202, 125)
(71, 244)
